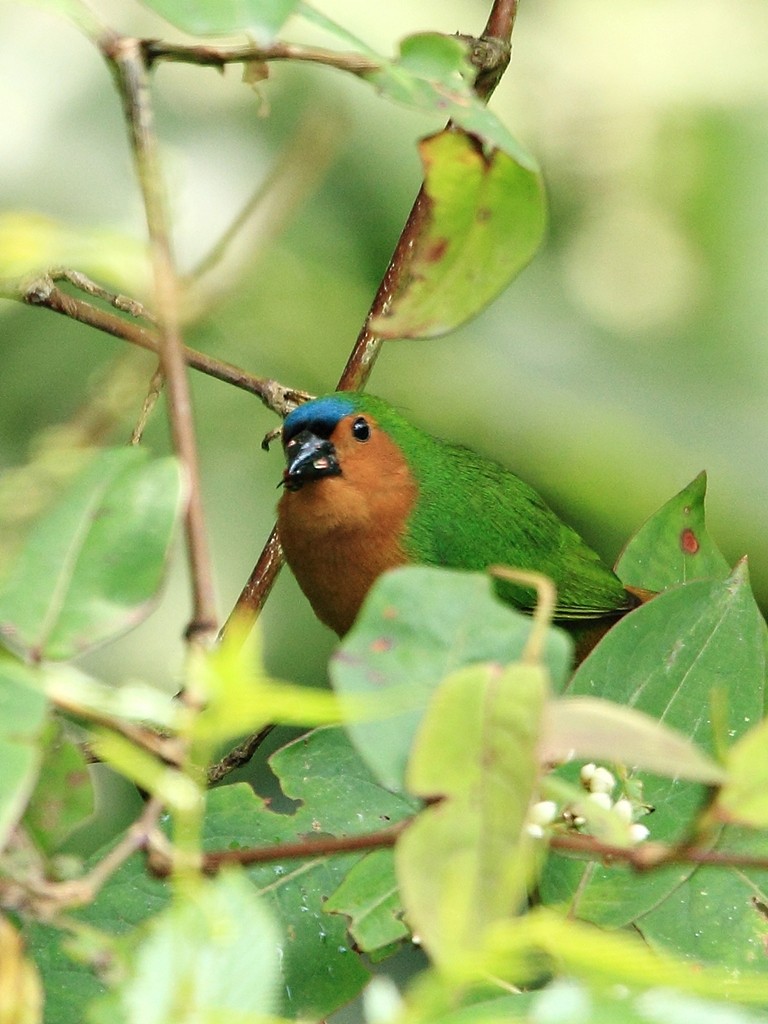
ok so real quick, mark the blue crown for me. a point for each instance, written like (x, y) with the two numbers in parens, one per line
(320, 416)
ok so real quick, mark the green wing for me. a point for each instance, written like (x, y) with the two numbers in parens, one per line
(473, 513)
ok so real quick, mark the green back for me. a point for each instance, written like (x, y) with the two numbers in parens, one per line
(472, 512)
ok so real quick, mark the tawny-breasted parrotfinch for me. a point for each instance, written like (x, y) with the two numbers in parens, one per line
(366, 491)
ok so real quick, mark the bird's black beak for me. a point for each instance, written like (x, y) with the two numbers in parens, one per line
(308, 457)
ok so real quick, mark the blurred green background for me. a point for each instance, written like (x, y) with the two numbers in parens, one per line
(628, 357)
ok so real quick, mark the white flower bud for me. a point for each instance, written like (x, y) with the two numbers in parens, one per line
(601, 799)
(543, 813)
(637, 833)
(586, 773)
(602, 781)
(623, 809)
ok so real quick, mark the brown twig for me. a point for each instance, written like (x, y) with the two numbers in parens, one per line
(501, 20)
(238, 756)
(648, 856)
(644, 857)
(302, 849)
(125, 56)
(166, 747)
(47, 899)
(43, 292)
(218, 56)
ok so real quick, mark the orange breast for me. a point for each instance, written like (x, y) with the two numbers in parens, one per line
(340, 533)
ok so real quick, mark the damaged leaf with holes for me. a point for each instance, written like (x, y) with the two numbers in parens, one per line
(329, 792)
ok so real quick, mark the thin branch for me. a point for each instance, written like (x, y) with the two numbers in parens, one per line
(126, 58)
(501, 20)
(84, 284)
(644, 857)
(302, 849)
(46, 899)
(165, 747)
(218, 56)
(648, 856)
(137, 837)
(237, 757)
(44, 293)
(301, 164)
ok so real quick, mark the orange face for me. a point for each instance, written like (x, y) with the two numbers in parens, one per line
(345, 508)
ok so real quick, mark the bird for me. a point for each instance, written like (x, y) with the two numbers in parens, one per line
(365, 491)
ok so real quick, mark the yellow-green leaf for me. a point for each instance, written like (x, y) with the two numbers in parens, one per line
(744, 797)
(467, 861)
(486, 220)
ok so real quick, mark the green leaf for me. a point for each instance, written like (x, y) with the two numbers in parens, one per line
(91, 566)
(667, 658)
(674, 545)
(336, 795)
(444, 1005)
(467, 862)
(567, 1001)
(339, 32)
(431, 74)
(744, 797)
(434, 56)
(419, 624)
(72, 690)
(237, 696)
(212, 955)
(175, 789)
(588, 727)
(370, 898)
(486, 220)
(719, 918)
(23, 720)
(261, 19)
(63, 796)
(542, 941)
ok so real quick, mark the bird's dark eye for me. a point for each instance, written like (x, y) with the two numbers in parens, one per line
(361, 430)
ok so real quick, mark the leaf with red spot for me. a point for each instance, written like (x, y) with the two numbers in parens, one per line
(486, 220)
(673, 546)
